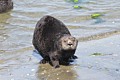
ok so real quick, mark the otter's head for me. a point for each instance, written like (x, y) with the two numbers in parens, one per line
(68, 42)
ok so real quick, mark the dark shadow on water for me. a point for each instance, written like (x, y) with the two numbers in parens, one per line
(98, 21)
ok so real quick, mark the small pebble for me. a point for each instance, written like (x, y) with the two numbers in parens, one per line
(67, 71)
(75, 21)
(42, 73)
(32, 69)
(117, 69)
(48, 75)
(4, 38)
(90, 67)
(58, 78)
(28, 74)
(11, 74)
(75, 76)
(113, 22)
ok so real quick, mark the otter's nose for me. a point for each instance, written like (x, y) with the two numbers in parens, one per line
(70, 43)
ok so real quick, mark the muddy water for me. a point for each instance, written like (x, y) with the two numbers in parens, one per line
(101, 35)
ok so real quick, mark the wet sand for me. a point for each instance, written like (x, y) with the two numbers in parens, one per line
(87, 67)
(99, 67)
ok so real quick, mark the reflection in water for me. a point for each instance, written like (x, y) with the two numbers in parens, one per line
(4, 17)
(98, 21)
(46, 72)
(3, 21)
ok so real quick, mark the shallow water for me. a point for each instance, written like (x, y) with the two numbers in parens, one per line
(99, 35)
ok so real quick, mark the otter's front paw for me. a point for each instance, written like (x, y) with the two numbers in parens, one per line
(74, 57)
(43, 61)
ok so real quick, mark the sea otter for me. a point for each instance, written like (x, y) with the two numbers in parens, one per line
(5, 5)
(54, 42)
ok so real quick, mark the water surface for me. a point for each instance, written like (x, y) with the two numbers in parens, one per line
(99, 35)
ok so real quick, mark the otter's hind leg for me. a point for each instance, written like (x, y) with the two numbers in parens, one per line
(45, 60)
(54, 60)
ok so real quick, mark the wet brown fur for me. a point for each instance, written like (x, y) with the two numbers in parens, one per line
(46, 40)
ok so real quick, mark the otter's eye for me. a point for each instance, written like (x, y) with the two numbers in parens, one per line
(65, 41)
(73, 40)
